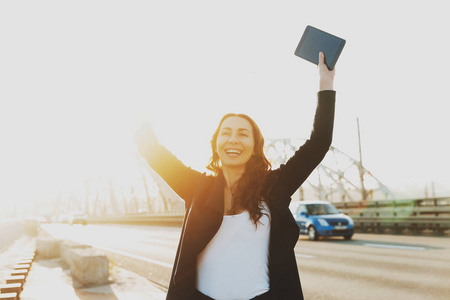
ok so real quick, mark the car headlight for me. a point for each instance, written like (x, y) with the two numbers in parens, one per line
(323, 222)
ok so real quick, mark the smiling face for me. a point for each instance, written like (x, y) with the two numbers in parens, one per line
(235, 142)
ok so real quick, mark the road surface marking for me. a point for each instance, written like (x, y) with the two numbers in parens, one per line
(153, 261)
(395, 247)
(304, 256)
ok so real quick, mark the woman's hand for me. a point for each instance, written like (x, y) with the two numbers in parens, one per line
(326, 76)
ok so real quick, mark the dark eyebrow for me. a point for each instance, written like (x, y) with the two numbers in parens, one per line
(239, 129)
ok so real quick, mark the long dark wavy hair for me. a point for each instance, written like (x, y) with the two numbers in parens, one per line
(251, 188)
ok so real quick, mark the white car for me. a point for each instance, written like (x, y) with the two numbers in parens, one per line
(77, 218)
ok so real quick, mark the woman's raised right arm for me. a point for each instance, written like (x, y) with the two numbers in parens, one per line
(179, 177)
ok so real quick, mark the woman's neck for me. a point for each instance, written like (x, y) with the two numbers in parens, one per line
(232, 175)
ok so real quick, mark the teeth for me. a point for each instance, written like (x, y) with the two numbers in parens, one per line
(232, 151)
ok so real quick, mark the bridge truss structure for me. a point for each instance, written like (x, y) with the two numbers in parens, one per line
(138, 190)
(338, 178)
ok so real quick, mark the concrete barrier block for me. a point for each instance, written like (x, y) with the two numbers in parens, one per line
(15, 279)
(22, 267)
(48, 247)
(8, 296)
(89, 266)
(28, 257)
(25, 262)
(19, 272)
(66, 250)
(24, 272)
(11, 288)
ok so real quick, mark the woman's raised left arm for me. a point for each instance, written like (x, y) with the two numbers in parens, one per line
(292, 174)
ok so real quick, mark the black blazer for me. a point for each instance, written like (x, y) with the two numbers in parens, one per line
(204, 202)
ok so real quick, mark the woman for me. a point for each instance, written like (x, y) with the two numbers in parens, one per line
(238, 235)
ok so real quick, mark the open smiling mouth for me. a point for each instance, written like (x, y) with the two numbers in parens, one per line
(233, 152)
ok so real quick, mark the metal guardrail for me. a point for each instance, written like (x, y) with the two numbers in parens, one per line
(409, 216)
(140, 219)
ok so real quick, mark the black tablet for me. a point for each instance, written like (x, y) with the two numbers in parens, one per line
(314, 41)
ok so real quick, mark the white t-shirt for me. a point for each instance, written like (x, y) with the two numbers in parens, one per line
(234, 265)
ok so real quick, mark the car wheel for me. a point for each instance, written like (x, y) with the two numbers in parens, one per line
(312, 233)
(348, 237)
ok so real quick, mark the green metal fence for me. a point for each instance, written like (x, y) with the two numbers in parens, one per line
(410, 216)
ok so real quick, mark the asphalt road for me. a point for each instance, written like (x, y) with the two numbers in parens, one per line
(367, 267)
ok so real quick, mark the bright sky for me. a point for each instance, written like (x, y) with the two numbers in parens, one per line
(73, 74)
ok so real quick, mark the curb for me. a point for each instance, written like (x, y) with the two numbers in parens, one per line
(154, 271)
(15, 282)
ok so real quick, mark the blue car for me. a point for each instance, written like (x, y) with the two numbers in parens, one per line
(321, 218)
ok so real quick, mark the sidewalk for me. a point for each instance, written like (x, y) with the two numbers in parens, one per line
(51, 279)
